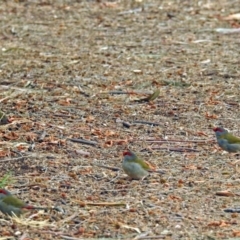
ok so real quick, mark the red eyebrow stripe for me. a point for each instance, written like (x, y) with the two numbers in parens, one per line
(126, 153)
(217, 129)
(3, 191)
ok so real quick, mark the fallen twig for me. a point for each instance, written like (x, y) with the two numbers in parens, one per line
(118, 92)
(173, 140)
(83, 141)
(177, 149)
(113, 179)
(226, 194)
(70, 218)
(122, 225)
(151, 237)
(107, 204)
(126, 124)
(81, 152)
(158, 171)
(107, 167)
(125, 92)
(62, 115)
(70, 238)
(13, 159)
(83, 92)
(13, 95)
(234, 163)
(148, 123)
(73, 238)
(232, 210)
(227, 30)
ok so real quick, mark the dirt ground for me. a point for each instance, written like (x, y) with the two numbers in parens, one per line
(76, 70)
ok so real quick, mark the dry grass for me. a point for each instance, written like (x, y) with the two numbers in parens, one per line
(59, 61)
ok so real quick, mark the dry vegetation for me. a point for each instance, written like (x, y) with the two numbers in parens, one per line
(62, 64)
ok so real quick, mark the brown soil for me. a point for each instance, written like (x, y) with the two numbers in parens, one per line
(62, 64)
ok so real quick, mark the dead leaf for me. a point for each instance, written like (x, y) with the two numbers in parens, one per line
(109, 4)
(235, 16)
(202, 134)
(210, 116)
(129, 227)
(190, 167)
(220, 223)
(174, 197)
(225, 194)
(236, 233)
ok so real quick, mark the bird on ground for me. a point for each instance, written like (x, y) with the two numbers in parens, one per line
(226, 140)
(11, 205)
(135, 167)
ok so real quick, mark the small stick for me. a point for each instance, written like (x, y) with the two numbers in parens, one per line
(107, 167)
(151, 237)
(108, 204)
(158, 171)
(83, 141)
(13, 159)
(125, 92)
(226, 194)
(118, 92)
(68, 219)
(81, 152)
(148, 123)
(177, 149)
(70, 238)
(45, 208)
(232, 210)
(82, 92)
(126, 124)
(73, 238)
(62, 115)
(112, 180)
(173, 140)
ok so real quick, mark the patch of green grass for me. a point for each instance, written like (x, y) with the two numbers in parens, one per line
(5, 180)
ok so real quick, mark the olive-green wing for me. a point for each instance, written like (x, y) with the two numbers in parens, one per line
(142, 163)
(11, 200)
(230, 138)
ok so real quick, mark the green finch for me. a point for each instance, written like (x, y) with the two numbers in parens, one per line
(10, 205)
(135, 167)
(226, 140)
